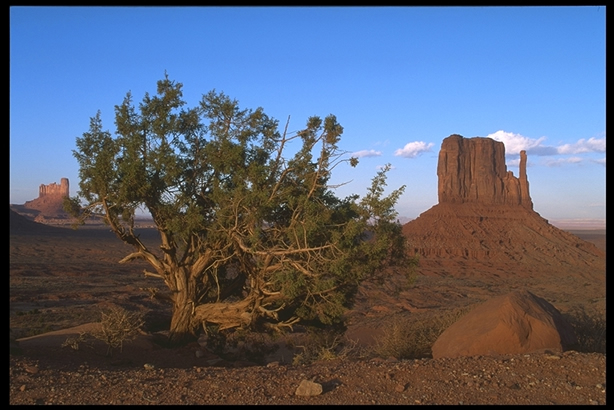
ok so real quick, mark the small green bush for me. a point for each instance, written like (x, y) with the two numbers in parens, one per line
(590, 329)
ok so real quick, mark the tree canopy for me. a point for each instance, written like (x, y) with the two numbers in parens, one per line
(248, 236)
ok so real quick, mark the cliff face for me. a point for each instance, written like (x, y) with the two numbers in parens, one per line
(54, 189)
(49, 204)
(486, 214)
(474, 170)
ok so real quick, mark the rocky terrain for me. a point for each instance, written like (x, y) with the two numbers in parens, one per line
(482, 240)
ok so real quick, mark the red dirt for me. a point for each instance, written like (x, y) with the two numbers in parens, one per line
(60, 278)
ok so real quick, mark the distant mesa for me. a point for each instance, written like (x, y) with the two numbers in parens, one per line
(48, 207)
(54, 190)
(486, 214)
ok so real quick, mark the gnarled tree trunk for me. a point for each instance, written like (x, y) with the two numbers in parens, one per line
(183, 326)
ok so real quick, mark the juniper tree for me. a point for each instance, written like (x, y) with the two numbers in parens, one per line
(248, 236)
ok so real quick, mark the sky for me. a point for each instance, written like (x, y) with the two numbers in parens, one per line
(398, 79)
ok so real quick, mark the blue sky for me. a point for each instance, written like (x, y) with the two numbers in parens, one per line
(399, 80)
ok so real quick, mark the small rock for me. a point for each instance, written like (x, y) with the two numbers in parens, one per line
(149, 366)
(401, 387)
(22, 388)
(308, 388)
(202, 340)
(272, 364)
(31, 369)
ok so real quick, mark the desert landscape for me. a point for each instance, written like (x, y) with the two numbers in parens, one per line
(482, 240)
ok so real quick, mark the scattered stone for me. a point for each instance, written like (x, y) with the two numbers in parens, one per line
(22, 388)
(149, 366)
(308, 388)
(31, 369)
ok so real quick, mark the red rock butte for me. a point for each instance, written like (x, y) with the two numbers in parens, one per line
(49, 203)
(485, 214)
(473, 170)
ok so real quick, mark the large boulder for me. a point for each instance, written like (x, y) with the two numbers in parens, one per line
(516, 323)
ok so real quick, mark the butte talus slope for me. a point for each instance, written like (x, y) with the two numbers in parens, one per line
(485, 217)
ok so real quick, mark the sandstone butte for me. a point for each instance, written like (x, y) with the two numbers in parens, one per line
(485, 215)
(48, 205)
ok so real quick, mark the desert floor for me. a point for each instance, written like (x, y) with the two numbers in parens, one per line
(61, 280)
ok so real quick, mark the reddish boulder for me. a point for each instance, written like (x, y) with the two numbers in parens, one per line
(516, 323)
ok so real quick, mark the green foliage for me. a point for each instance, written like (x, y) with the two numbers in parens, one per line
(589, 328)
(240, 224)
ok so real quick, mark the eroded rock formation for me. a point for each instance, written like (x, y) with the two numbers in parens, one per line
(486, 214)
(54, 189)
(49, 204)
(474, 170)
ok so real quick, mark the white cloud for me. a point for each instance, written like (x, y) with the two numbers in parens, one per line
(413, 149)
(514, 143)
(513, 162)
(599, 161)
(366, 153)
(582, 146)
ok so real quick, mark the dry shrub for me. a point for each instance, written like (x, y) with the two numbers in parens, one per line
(413, 338)
(119, 326)
(590, 329)
(75, 342)
(325, 345)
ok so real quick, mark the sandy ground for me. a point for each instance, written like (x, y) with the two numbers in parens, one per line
(61, 278)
